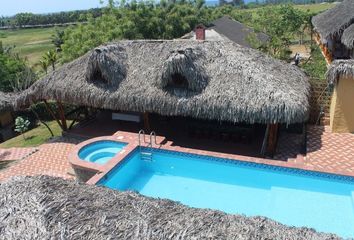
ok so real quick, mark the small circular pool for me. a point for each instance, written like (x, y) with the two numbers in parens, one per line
(100, 152)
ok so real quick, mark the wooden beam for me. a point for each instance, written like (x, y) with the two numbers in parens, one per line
(272, 139)
(62, 116)
(265, 140)
(52, 113)
(146, 121)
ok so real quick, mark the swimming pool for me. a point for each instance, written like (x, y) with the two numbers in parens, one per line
(100, 152)
(324, 202)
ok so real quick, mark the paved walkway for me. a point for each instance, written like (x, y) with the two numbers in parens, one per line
(50, 159)
(11, 154)
(331, 152)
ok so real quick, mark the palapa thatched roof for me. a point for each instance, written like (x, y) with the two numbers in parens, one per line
(340, 68)
(53, 208)
(348, 37)
(223, 81)
(335, 20)
(6, 101)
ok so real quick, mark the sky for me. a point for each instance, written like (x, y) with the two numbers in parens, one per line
(11, 7)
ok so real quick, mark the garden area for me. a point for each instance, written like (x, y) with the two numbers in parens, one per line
(34, 137)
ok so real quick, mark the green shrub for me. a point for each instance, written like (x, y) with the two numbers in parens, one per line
(22, 125)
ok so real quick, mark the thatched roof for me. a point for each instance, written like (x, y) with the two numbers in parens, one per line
(6, 101)
(335, 20)
(340, 68)
(218, 80)
(348, 37)
(53, 208)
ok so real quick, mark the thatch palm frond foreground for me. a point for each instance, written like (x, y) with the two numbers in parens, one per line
(53, 208)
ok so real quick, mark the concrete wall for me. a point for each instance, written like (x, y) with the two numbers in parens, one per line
(342, 106)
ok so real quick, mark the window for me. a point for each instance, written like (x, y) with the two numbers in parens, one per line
(178, 80)
(97, 76)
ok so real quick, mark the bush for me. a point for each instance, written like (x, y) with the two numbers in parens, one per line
(316, 66)
(22, 125)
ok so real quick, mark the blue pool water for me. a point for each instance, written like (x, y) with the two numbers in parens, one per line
(293, 197)
(101, 151)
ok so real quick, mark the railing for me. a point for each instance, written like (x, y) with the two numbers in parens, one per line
(147, 155)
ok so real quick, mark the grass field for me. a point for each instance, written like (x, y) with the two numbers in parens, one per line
(315, 8)
(35, 137)
(29, 43)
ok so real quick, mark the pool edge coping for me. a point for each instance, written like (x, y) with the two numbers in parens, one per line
(245, 160)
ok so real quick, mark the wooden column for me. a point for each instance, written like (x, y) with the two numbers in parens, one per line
(270, 140)
(146, 121)
(62, 116)
(52, 114)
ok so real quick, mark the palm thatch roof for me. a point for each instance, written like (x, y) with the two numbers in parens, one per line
(348, 37)
(335, 20)
(52, 208)
(207, 80)
(340, 68)
(6, 101)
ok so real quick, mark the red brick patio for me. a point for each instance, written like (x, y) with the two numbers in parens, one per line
(11, 154)
(326, 152)
(330, 152)
(50, 159)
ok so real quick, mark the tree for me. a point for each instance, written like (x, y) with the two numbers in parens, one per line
(12, 68)
(281, 23)
(51, 57)
(222, 2)
(58, 38)
(23, 80)
(22, 19)
(44, 65)
(238, 2)
(135, 20)
(21, 126)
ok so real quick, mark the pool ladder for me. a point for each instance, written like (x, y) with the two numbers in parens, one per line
(147, 155)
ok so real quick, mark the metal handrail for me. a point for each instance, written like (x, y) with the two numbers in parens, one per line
(153, 134)
(141, 132)
(152, 137)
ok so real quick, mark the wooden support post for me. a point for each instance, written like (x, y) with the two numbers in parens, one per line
(146, 121)
(62, 116)
(265, 140)
(272, 139)
(52, 113)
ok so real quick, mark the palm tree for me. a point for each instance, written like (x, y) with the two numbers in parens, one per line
(51, 57)
(44, 65)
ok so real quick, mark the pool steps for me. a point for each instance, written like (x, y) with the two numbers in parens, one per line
(146, 156)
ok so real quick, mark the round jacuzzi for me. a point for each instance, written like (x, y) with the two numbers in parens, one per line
(100, 152)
